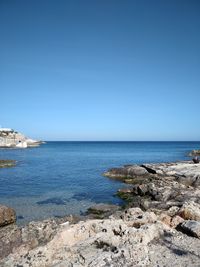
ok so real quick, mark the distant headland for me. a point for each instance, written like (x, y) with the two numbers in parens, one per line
(10, 138)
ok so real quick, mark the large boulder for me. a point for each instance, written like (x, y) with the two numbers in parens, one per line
(130, 171)
(7, 215)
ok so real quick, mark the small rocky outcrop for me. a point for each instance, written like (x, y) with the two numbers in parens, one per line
(195, 152)
(7, 163)
(127, 173)
(7, 215)
(10, 138)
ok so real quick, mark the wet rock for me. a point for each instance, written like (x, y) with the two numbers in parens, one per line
(7, 163)
(102, 210)
(125, 190)
(190, 227)
(7, 215)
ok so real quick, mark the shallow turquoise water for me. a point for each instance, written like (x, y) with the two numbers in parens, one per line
(60, 178)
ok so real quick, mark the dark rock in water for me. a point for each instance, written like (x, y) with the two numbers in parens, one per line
(7, 163)
(195, 160)
(7, 215)
(190, 227)
(54, 200)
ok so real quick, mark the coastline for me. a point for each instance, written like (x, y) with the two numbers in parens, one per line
(162, 203)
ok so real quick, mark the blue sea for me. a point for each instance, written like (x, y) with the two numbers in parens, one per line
(60, 178)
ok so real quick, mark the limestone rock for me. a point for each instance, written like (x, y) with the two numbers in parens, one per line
(130, 171)
(166, 219)
(7, 215)
(190, 211)
(175, 221)
(172, 211)
(136, 217)
(92, 243)
(29, 236)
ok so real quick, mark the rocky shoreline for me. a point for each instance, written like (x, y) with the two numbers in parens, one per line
(159, 225)
(9, 138)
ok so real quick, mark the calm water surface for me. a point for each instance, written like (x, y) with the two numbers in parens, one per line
(60, 178)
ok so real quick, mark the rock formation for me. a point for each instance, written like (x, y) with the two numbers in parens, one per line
(7, 215)
(7, 163)
(10, 138)
(158, 226)
(195, 152)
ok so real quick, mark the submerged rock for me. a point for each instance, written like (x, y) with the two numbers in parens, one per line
(102, 210)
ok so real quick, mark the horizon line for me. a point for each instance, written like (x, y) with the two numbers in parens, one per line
(121, 140)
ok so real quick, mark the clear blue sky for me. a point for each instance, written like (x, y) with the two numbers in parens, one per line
(101, 69)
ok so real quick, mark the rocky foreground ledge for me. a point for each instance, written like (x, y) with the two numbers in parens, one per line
(159, 226)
